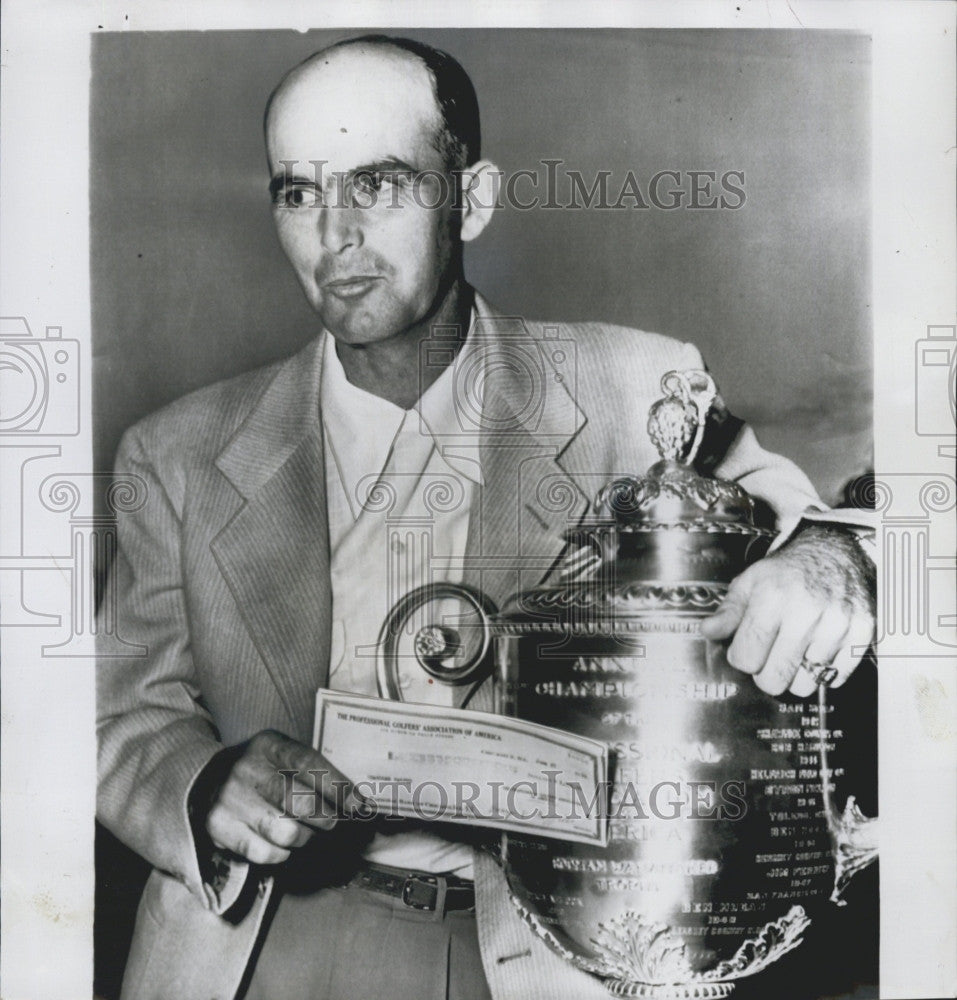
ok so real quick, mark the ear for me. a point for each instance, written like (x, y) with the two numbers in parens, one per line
(479, 197)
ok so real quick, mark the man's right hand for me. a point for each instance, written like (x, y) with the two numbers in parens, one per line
(262, 814)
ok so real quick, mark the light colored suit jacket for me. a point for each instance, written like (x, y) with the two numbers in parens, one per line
(224, 575)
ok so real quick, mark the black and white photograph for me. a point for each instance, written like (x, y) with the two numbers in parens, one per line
(462, 537)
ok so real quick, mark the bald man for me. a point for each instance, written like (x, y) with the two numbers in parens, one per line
(256, 573)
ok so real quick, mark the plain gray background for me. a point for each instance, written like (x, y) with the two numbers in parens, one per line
(189, 285)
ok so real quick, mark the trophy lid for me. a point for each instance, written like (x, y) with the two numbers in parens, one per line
(668, 542)
(672, 492)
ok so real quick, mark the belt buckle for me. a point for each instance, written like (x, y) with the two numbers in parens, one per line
(435, 892)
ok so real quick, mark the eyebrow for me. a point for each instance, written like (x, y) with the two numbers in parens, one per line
(281, 181)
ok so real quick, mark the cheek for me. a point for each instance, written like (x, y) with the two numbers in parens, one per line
(294, 239)
(422, 253)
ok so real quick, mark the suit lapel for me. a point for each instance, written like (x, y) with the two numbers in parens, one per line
(274, 551)
(529, 425)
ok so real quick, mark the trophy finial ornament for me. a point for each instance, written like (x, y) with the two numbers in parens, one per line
(672, 491)
(676, 422)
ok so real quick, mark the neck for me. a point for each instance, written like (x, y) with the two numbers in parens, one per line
(393, 368)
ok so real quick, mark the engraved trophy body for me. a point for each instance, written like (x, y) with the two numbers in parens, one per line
(723, 830)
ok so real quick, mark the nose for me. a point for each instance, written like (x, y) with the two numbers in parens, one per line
(339, 228)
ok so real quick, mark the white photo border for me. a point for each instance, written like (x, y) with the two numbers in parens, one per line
(48, 753)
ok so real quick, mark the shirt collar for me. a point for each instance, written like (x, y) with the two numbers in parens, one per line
(372, 423)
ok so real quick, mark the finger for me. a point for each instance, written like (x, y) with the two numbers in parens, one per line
(722, 624)
(306, 803)
(327, 781)
(860, 635)
(784, 657)
(307, 766)
(227, 831)
(249, 808)
(256, 788)
(255, 785)
(283, 831)
(804, 684)
(823, 646)
(756, 634)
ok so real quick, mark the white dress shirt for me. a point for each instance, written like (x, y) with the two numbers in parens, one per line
(398, 487)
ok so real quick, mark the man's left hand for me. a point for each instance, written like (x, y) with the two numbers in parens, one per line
(808, 605)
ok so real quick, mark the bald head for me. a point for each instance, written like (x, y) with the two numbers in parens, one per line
(421, 77)
(365, 190)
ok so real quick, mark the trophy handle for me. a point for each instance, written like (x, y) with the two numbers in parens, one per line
(448, 653)
(854, 836)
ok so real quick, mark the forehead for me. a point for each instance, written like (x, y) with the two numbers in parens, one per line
(353, 106)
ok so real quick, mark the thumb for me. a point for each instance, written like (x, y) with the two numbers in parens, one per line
(725, 621)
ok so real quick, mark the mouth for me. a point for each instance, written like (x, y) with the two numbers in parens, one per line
(352, 287)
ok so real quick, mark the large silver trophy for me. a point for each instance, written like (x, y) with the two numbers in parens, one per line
(723, 825)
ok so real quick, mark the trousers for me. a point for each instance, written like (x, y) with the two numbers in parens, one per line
(342, 943)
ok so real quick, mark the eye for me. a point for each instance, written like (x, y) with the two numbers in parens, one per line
(298, 196)
(374, 180)
(372, 187)
(369, 182)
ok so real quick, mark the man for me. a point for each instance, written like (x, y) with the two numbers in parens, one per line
(256, 573)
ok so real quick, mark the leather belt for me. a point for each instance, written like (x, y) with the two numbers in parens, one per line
(418, 890)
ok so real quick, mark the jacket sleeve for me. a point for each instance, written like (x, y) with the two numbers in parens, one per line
(731, 451)
(154, 733)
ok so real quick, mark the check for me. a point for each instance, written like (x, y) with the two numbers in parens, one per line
(459, 766)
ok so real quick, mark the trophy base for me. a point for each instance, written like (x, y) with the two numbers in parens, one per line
(678, 991)
(630, 947)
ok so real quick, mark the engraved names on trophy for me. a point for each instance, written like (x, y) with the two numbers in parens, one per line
(715, 812)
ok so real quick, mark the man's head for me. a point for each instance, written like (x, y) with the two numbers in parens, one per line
(366, 141)
(458, 134)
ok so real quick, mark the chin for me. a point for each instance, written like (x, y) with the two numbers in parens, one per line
(357, 333)
(364, 325)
